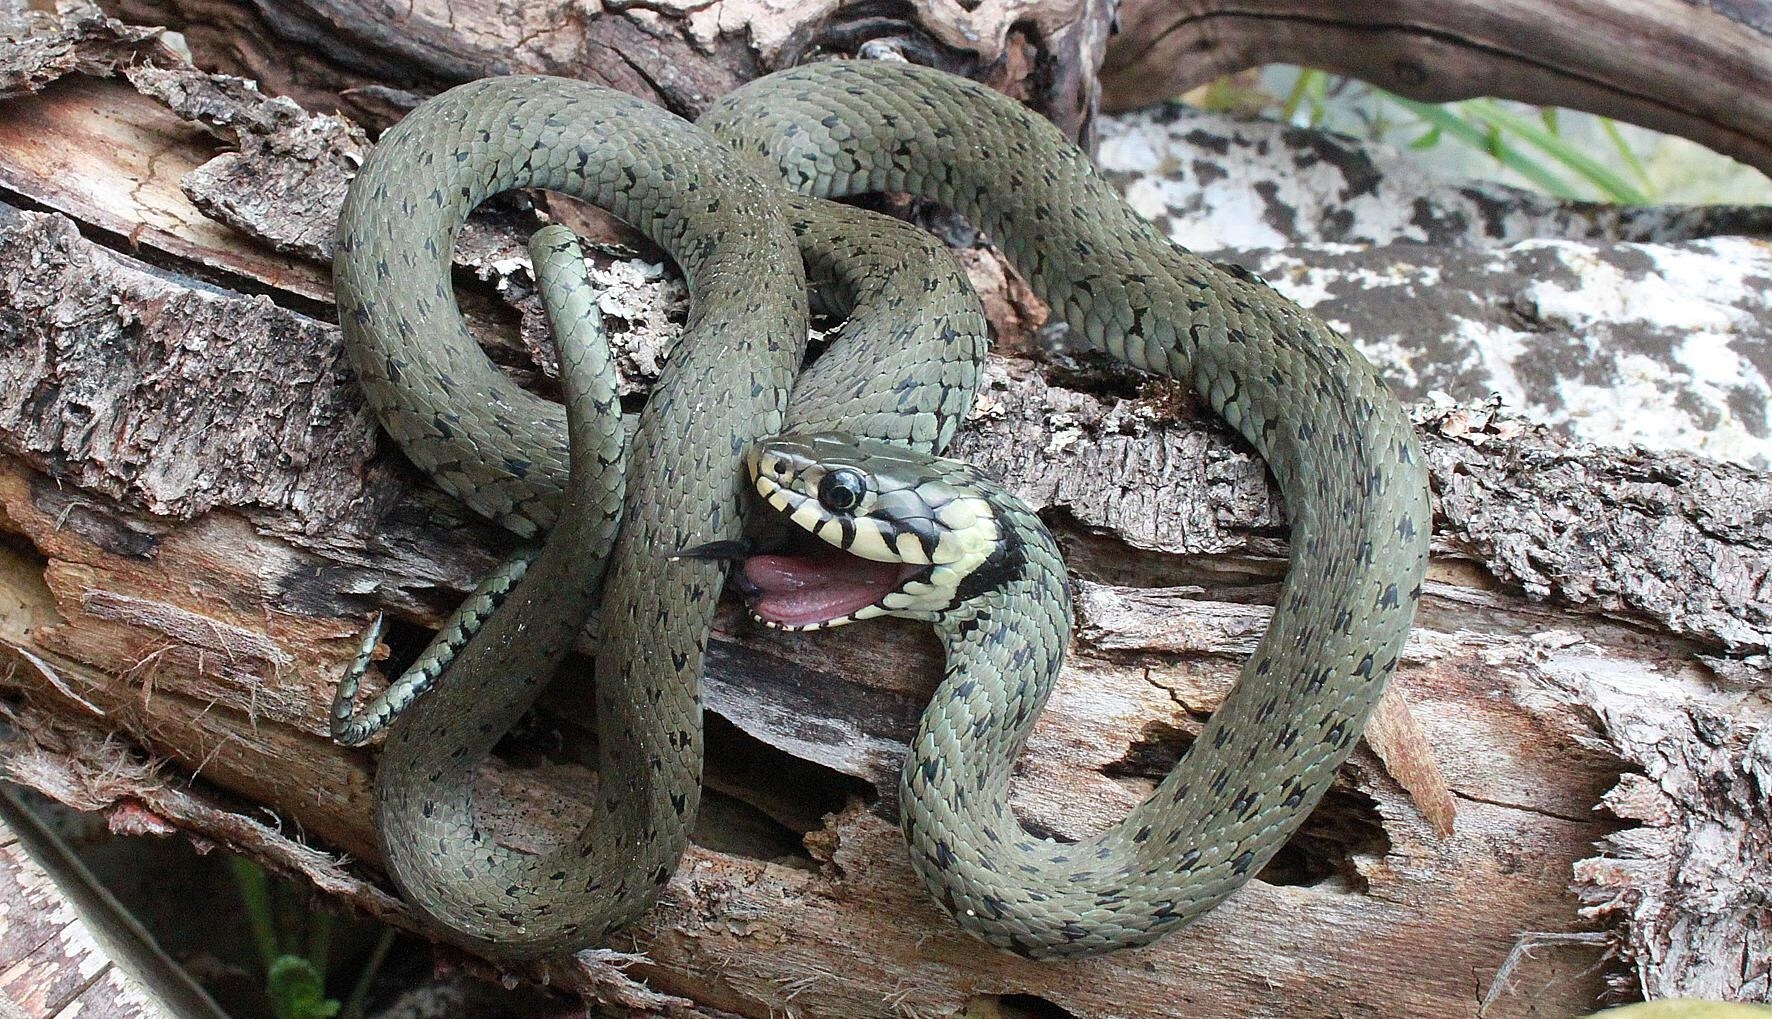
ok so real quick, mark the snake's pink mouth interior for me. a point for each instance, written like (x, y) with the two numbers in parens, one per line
(820, 585)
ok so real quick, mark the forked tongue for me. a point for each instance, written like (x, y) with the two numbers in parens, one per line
(802, 590)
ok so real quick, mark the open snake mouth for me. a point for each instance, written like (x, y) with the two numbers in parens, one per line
(820, 585)
(872, 529)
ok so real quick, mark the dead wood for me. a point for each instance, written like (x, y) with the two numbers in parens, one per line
(199, 516)
(1694, 68)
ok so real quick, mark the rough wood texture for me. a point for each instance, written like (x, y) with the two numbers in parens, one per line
(66, 948)
(372, 57)
(53, 966)
(1697, 68)
(198, 516)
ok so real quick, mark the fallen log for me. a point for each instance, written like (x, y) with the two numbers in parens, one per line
(199, 516)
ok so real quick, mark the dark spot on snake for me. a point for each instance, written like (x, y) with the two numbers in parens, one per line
(1389, 599)
(1244, 802)
(1241, 864)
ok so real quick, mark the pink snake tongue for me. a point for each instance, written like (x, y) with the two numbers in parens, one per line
(801, 590)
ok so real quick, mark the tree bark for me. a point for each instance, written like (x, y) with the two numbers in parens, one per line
(199, 516)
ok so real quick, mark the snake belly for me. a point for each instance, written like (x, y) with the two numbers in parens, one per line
(1336, 442)
(907, 359)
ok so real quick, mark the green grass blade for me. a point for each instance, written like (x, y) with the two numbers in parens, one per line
(1319, 95)
(1626, 153)
(255, 893)
(359, 996)
(1300, 88)
(1610, 184)
(1451, 125)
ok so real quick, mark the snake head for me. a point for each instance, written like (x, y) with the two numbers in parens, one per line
(895, 532)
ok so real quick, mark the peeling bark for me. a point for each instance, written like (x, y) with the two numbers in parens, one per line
(197, 515)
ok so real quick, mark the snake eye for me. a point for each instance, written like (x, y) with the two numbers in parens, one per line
(841, 490)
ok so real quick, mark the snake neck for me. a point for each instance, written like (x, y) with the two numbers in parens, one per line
(1258, 767)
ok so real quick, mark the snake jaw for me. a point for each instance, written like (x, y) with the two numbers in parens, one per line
(898, 532)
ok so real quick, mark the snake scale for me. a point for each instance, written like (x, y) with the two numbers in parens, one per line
(1338, 445)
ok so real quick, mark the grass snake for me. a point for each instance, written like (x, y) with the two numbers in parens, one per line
(1336, 442)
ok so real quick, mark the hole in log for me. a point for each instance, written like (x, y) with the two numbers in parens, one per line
(18, 547)
(1014, 1006)
(406, 640)
(1324, 853)
(760, 801)
(757, 802)
(1153, 754)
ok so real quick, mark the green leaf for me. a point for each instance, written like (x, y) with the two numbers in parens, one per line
(1548, 114)
(1428, 140)
(297, 991)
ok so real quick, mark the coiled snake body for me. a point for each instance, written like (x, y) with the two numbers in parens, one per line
(1336, 442)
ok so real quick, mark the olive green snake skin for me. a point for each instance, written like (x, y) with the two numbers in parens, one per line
(1336, 442)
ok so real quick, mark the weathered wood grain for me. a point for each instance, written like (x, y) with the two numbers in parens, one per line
(66, 948)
